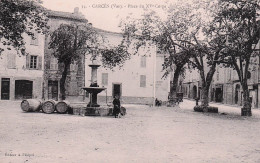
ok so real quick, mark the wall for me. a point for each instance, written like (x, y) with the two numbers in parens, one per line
(20, 70)
(129, 76)
(75, 78)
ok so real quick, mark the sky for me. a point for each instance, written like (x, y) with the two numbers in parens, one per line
(106, 14)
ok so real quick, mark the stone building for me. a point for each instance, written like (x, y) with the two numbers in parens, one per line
(225, 87)
(138, 81)
(53, 70)
(22, 76)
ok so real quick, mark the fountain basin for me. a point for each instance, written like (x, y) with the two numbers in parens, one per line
(93, 95)
(94, 89)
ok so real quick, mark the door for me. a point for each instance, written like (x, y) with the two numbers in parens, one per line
(237, 93)
(117, 89)
(5, 90)
(218, 95)
(23, 89)
(53, 90)
(194, 93)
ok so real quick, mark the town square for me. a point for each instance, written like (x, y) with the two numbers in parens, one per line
(129, 81)
(145, 134)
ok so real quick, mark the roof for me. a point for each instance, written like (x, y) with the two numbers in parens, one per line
(108, 32)
(66, 15)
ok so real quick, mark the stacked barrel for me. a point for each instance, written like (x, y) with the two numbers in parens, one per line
(62, 107)
(48, 106)
(31, 105)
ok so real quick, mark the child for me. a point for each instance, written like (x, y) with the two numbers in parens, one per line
(116, 103)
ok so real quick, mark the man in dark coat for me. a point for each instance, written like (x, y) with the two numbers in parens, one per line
(116, 103)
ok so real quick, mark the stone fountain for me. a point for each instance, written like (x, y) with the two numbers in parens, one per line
(93, 108)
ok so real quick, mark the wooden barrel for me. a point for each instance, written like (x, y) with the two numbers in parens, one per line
(49, 106)
(62, 106)
(31, 105)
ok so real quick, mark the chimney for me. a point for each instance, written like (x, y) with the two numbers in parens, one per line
(76, 10)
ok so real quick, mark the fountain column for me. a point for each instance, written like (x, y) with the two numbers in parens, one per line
(94, 66)
(93, 75)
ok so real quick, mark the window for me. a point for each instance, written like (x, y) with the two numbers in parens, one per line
(34, 41)
(73, 67)
(33, 62)
(142, 81)
(248, 75)
(217, 76)
(54, 64)
(143, 61)
(11, 60)
(104, 78)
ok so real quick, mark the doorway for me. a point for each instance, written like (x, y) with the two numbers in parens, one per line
(117, 90)
(218, 95)
(53, 90)
(23, 89)
(237, 93)
(194, 93)
(5, 89)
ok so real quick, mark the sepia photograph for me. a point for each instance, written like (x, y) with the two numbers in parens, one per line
(129, 81)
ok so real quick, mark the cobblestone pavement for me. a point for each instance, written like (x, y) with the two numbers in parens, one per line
(145, 134)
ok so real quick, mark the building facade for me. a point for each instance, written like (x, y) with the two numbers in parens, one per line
(138, 81)
(53, 70)
(38, 74)
(225, 87)
(22, 75)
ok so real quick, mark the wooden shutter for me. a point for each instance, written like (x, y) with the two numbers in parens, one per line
(143, 61)
(142, 81)
(11, 60)
(39, 62)
(47, 62)
(28, 57)
(35, 41)
(104, 78)
(60, 67)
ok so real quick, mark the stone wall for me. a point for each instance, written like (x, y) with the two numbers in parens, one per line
(76, 77)
(124, 100)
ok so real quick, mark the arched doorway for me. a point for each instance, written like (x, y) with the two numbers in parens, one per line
(194, 92)
(236, 93)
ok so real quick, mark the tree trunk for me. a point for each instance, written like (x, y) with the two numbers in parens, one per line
(204, 96)
(173, 90)
(246, 110)
(63, 80)
(206, 85)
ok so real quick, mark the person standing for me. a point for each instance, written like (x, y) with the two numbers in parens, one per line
(116, 103)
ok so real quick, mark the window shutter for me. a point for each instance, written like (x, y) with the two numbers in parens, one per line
(14, 60)
(143, 61)
(60, 67)
(35, 41)
(142, 81)
(104, 78)
(48, 63)
(39, 62)
(11, 60)
(28, 61)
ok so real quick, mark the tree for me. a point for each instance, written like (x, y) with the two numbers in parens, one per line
(71, 42)
(18, 17)
(151, 30)
(116, 56)
(241, 25)
(184, 36)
